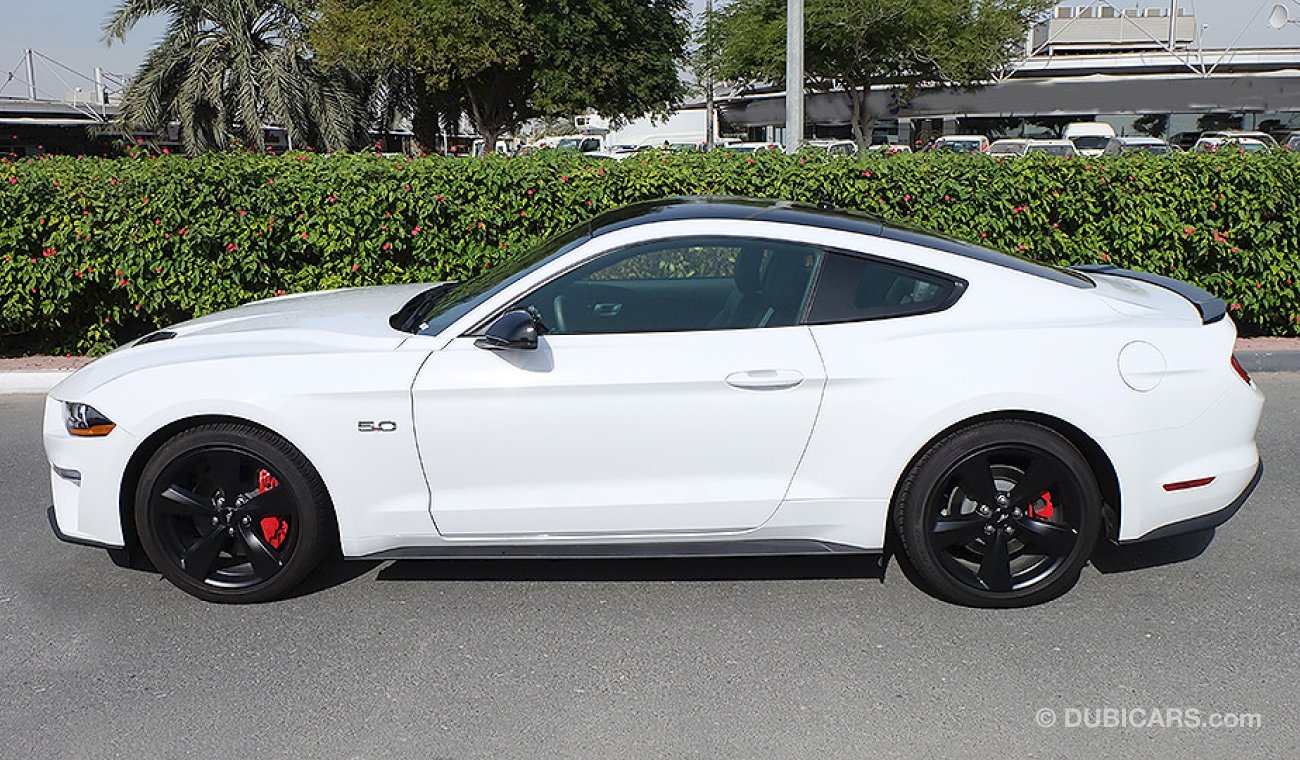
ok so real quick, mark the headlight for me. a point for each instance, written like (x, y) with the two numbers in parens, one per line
(85, 420)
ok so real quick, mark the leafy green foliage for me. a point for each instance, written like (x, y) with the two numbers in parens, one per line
(502, 62)
(851, 45)
(224, 69)
(96, 251)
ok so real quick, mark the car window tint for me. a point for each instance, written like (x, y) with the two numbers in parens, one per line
(679, 285)
(854, 288)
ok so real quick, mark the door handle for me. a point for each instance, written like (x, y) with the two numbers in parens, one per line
(765, 379)
(606, 309)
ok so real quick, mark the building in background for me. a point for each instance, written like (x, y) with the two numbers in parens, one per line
(1145, 70)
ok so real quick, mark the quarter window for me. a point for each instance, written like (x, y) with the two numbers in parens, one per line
(853, 288)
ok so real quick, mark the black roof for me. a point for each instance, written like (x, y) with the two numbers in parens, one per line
(712, 207)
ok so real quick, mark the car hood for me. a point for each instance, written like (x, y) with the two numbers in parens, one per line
(337, 321)
(353, 311)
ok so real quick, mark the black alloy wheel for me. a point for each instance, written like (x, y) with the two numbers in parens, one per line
(1000, 514)
(231, 513)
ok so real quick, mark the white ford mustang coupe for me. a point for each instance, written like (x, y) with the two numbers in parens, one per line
(683, 377)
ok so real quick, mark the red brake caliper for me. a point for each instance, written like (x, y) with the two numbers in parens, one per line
(273, 528)
(1045, 511)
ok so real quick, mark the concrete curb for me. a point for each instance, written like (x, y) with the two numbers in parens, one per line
(42, 382)
(31, 382)
(1270, 361)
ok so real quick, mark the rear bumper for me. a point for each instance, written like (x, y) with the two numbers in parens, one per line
(1206, 521)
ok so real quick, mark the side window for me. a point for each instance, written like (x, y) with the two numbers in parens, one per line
(852, 288)
(677, 285)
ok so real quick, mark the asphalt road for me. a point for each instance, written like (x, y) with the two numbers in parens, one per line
(775, 658)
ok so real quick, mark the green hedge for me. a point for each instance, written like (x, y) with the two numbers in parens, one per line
(97, 251)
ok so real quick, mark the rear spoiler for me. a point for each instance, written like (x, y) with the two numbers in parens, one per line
(1211, 307)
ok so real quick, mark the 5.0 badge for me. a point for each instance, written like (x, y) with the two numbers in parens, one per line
(370, 426)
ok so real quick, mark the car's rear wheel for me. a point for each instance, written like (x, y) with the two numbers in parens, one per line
(999, 514)
(232, 513)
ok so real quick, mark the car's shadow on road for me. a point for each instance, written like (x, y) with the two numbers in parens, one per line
(1109, 558)
(667, 569)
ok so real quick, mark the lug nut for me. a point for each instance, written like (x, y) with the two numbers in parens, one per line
(985, 511)
(216, 520)
(246, 520)
(230, 532)
(1002, 500)
(1010, 530)
(988, 528)
(1016, 512)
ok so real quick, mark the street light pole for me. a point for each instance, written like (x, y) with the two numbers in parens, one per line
(793, 74)
(709, 62)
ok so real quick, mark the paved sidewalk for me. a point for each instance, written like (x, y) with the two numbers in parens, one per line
(38, 374)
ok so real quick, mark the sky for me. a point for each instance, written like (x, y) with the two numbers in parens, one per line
(68, 31)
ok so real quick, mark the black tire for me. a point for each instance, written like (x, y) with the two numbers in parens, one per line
(999, 514)
(238, 506)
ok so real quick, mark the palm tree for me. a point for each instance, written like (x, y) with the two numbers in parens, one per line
(226, 68)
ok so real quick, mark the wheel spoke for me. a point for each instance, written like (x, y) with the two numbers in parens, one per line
(197, 560)
(995, 568)
(177, 500)
(975, 478)
(962, 529)
(1042, 474)
(275, 501)
(264, 560)
(224, 469)
(1048, 538)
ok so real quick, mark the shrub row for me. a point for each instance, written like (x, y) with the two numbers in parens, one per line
(97, 251)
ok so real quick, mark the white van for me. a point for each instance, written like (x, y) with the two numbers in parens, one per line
(1089, 137)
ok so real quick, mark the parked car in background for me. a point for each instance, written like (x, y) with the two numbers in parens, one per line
(1063, 148)
(1007, 147)
(961, 144)
(750, 147)
(1184, 140)
(1238, 144)
(1089, 137)
(1119, 145)
(890, 149)
(835, 147)
(1293, 142)
(1238, 134)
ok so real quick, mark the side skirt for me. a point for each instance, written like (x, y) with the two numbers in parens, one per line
(755, 548)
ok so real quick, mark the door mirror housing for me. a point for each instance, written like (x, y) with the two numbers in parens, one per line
(512, 330)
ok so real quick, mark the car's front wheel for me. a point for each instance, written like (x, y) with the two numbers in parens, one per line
(999, 514)
(232, 513)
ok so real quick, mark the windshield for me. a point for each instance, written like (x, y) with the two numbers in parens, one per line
(959, 146)
(1006, 149)
(568, 142)
(455, 302)
(1051, 150)
(1090, 142)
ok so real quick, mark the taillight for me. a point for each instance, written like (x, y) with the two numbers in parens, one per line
(1240, 369)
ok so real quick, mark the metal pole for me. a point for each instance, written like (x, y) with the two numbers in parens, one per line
(1173, 21)
(100, 100)
(709, 128)
(793, 74)
(31, 75)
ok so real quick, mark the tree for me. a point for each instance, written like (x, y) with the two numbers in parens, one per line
(502, 62)
(851, 46)
(227, 68)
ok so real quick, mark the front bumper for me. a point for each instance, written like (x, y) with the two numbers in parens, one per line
(64, 537)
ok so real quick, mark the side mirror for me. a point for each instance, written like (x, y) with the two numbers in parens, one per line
(512, 330)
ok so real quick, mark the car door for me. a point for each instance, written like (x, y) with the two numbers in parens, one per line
(674, 392)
